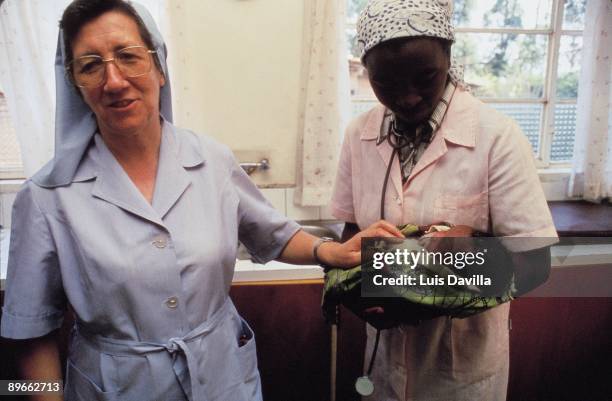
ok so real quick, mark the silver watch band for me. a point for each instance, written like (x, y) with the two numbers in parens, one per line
(315, 250)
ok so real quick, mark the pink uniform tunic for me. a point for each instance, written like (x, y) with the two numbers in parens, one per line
(479, 171)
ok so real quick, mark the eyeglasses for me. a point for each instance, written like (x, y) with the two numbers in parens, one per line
(90, 71)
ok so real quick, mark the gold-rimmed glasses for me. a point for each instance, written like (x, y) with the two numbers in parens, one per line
(89, 71)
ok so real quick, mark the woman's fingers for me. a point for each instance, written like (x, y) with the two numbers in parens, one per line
(374, 310)
(350, 251)
(376, 317)
(382, 228)
(386, 229)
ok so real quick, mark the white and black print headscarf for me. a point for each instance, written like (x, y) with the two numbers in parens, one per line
(383, 20)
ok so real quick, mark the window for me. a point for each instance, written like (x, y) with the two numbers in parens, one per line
(10, 155)
(520, 56)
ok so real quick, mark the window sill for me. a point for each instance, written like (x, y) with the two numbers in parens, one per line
(581, 218)
(8, 186)
(11, 174)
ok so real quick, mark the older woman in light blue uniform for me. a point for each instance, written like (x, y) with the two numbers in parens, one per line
(145, 260)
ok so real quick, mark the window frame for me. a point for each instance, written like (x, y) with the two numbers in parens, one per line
(549, 97)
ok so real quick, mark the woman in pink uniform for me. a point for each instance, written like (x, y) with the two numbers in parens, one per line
(431, 152)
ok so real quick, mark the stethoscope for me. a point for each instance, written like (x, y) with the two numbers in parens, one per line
(397, 137)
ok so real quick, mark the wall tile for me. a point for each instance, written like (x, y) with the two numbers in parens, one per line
(276, 196)
(325, 213)
(299, 212)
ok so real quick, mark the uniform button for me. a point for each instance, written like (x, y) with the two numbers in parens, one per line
(398, 199)
(160, 242)
(172, 302)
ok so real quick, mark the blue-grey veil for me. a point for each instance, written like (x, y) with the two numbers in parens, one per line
(75, 123)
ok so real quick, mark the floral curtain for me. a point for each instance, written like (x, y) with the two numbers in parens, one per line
(591, 177)
(325, 100)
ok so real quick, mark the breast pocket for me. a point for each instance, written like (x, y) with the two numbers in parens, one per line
(470, 210)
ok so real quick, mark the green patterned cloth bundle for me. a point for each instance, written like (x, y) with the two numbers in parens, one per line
(410, 304)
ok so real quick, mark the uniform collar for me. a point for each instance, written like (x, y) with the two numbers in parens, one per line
(459, 126)
(177, 155)
(188, 154)
(435, 120)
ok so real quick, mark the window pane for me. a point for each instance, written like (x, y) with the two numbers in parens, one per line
(503, 65)
(527, 14)
(360, 85)
(568, 69)
(565, 132)
(351, 40)
(573, 14)
(528, 116)
(353, 8)
(10, 155)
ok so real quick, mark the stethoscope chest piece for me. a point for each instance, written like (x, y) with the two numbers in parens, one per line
(364, 386)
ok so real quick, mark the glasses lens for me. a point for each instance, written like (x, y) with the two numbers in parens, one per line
(88, 70)
(133, 61)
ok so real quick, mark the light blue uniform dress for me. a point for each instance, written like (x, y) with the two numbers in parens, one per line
(148, 282)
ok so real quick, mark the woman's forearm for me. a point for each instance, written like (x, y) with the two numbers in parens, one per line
(299, 249)
(38, 359)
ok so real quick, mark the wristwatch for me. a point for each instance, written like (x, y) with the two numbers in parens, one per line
(315, 250)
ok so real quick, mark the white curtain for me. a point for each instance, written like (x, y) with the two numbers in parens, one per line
(591, 177)
(28, 40)
(325, 100)
(28, 37)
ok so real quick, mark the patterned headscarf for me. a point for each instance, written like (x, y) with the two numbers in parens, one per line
(75, 123)
(383, 20)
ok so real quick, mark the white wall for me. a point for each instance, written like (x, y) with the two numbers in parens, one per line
(235, 71)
